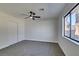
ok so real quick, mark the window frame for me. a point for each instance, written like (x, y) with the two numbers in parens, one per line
(71, 39)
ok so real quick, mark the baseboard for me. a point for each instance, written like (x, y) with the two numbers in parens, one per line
(41, 40)
(5, 46)
(61, 48)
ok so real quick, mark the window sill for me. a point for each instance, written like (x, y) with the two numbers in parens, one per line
(77, 43)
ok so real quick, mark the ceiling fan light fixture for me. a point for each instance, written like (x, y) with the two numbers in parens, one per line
(31, 17)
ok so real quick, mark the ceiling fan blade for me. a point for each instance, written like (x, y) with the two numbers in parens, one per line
(36, 16)
(32, 13)
(33, 18)
(26, 17)
(24, 14)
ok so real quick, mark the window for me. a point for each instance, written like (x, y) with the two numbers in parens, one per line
(71, 24)
(67, 26)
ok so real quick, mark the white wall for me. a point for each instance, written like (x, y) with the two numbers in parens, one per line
(6, 27)
(41, 30)
(67, 46)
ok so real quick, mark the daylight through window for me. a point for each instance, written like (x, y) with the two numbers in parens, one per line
(71, 24)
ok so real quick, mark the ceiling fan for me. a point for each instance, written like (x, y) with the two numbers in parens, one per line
(31, 15)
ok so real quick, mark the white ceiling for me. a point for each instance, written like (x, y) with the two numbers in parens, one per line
(16, 9)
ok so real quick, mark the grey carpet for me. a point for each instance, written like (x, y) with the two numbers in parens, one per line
(32, 48)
